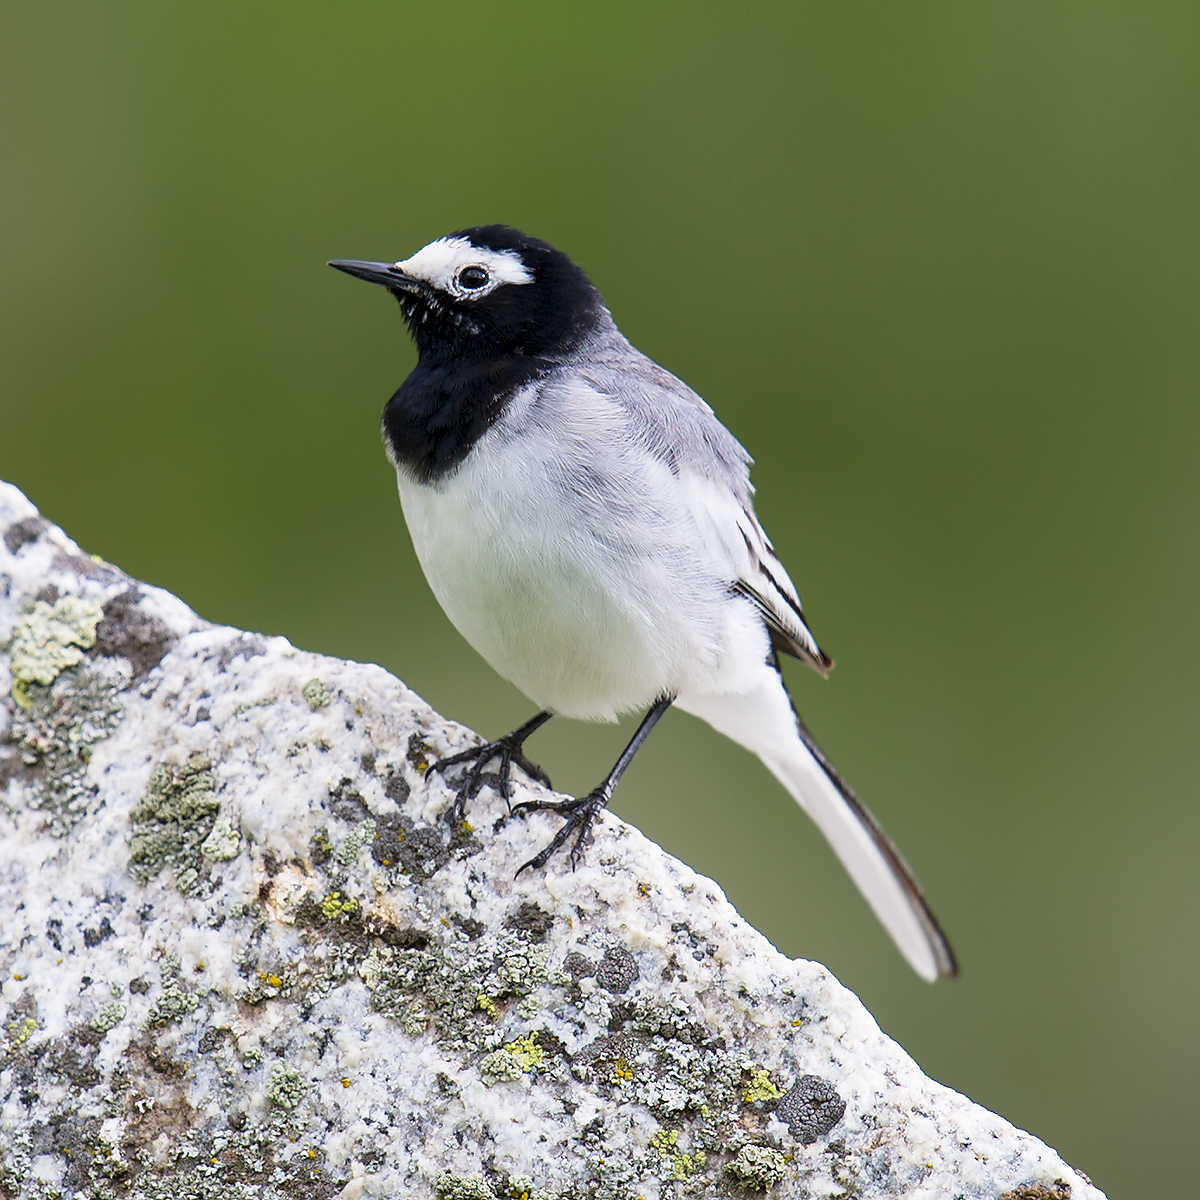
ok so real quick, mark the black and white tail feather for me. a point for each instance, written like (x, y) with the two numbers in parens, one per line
(764, 720)
(588, 525)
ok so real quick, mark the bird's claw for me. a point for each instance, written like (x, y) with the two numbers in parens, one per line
(581, 815)
(508, 752)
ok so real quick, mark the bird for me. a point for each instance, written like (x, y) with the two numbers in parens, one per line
(587, 524)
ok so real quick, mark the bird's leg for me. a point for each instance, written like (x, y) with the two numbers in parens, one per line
(508, 750)
(582, 813)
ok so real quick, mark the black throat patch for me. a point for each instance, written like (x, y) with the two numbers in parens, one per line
(443, 408)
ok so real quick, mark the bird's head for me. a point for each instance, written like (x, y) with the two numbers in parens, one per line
(490, 291)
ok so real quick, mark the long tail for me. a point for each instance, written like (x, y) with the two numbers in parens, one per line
(765, 722)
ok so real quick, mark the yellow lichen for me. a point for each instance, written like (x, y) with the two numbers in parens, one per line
(19, 1031)
(337, 907)
(666, 1142)
(761, 1087)
(526, 1051)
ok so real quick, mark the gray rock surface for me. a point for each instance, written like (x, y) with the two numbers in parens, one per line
(244, 957)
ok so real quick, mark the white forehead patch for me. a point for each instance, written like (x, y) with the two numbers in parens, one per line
(440, 262)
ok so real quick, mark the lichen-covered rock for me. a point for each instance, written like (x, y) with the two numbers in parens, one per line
(244, 956)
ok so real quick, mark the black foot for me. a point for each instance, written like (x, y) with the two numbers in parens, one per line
(509, 751)
(581, 815)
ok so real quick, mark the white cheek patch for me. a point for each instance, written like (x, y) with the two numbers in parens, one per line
(440, 262)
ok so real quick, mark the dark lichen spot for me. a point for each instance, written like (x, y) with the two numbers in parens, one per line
(1061, 1190)
(213, 1036)
(389, 837)
(418, 752)
(23, 532)
(406, 938)
(127, 632)
(578, 966)
(617, 970)
(72, 1061)
(471, 927)
(86, 1035)
(145, 1054)
(72, 1136)
(422, 853)
(245, 645)
(87, 567)
(605, 1049)
(93, 937)
(320, 849)
(12, 766)
(552, 1046)
(395, 787)
(593, 1130)
(811, 1108)
(139, 986)
(530, 922)
(347, 803)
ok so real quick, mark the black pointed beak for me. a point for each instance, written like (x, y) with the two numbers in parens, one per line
(375, 272)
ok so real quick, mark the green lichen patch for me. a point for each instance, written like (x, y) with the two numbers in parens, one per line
(109, 1017)
(317, 694)
(173, 1001)
(521, 1187)
(513, 1060)
(55, 732)
(172, 823)
(223, 843)
(234, 1160)
(287, 1087)
(462, 1187)
(450, 979)
(758, 1167)
(48, 639)
(363, 834)
(500, 1067)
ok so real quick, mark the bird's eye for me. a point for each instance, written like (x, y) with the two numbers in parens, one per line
(472, 277)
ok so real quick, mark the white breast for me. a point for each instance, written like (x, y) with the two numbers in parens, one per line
(568, 557)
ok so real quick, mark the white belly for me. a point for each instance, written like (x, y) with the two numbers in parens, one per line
(594, 599)
(509, 578)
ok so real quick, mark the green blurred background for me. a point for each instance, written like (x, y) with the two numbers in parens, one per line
(936, 265)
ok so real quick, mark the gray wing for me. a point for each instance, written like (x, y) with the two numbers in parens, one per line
(680, 429)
